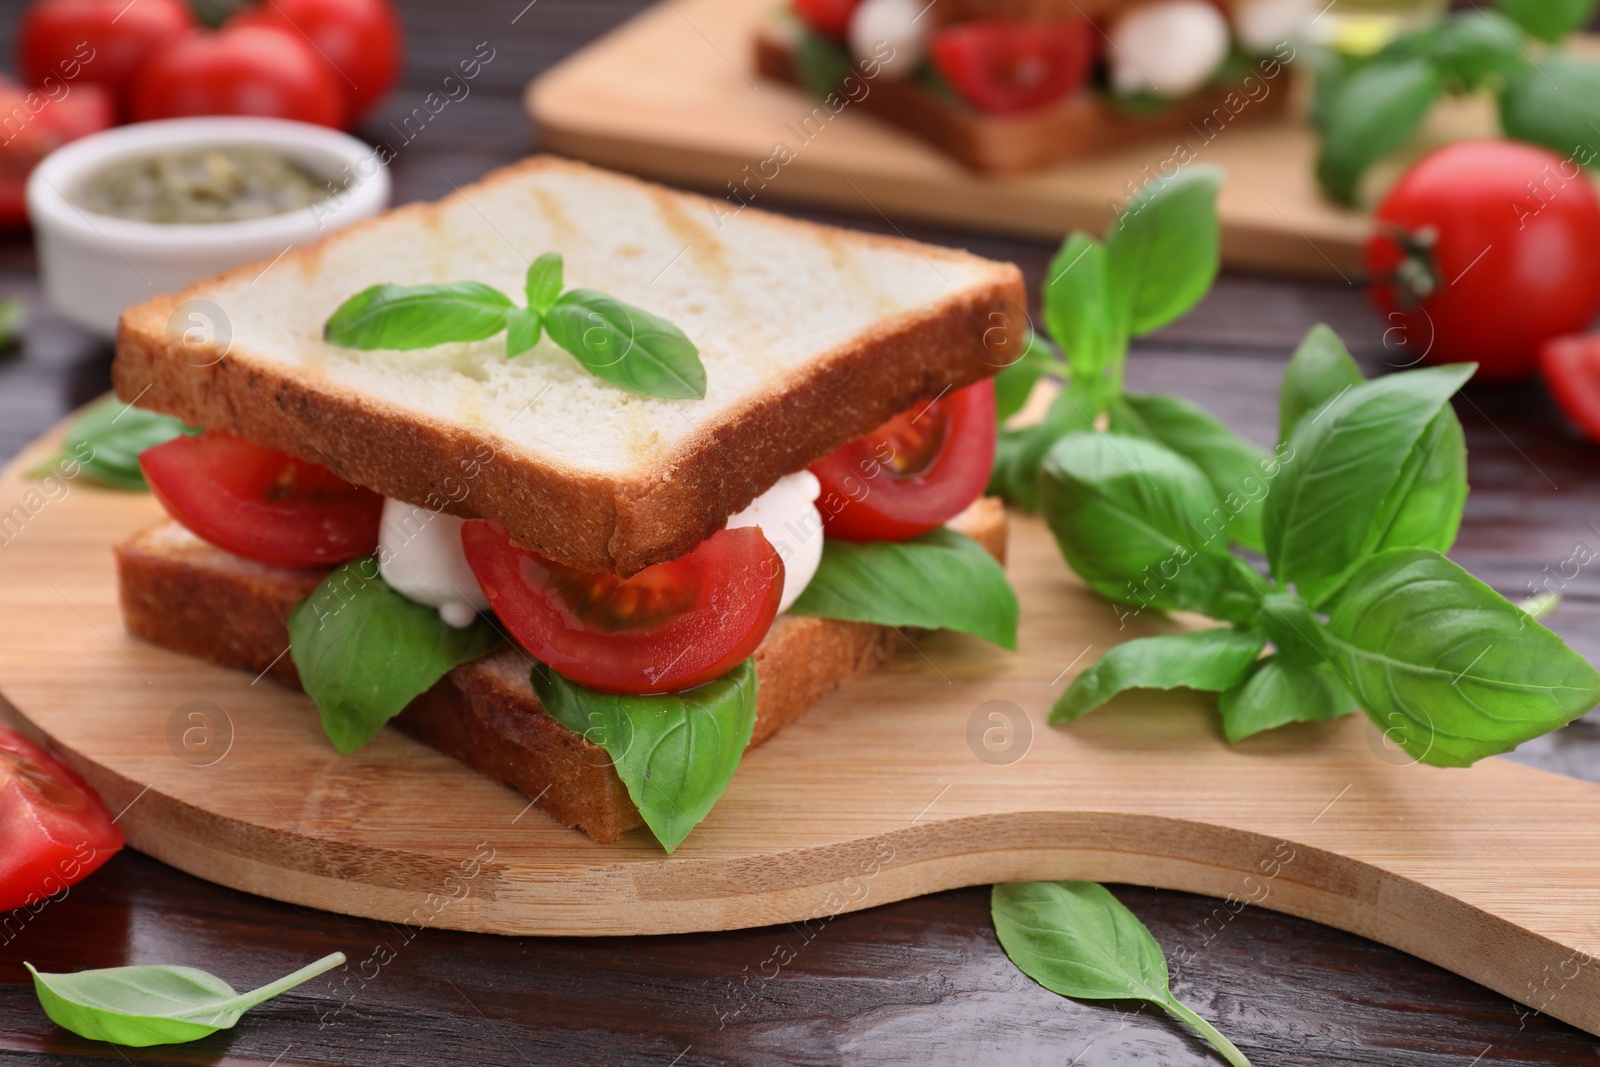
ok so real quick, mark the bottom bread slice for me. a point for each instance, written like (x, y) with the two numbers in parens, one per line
(183, 594)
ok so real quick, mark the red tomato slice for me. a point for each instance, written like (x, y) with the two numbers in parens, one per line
(668, 628)
(1005, 67)
(54, 831)
(913, 473)
(1571, 367)
(261, 504)
(828, 17)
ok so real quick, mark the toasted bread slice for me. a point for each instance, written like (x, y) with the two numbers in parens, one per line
(183, 594)
(811, 336)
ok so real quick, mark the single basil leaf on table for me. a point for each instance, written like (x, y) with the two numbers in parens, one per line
(1209, 660)
(155, 1005)
(1446, 666)
(1555, 103)
(1549, 20)
(1235, 468)
(1076, 311)
(523, 327)
(942, 580)
(1375, 108)
(626, 345)
(1474, 46)
(364, 651)
(1277, 692)
(1141, 525)
(1077, 940)
(1014, 384)
(1019, 452)
(1335, 497)
(546, 277)
(1320, 370)
(675, 752)
(1163, 251)
(417, 316)
(105, 442)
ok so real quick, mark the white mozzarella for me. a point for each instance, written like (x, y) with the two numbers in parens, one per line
(1167, 49)
(788, 517)
(420, 556)
(892, 28)
(1263, 25)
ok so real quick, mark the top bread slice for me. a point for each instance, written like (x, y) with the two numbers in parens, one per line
(810, 335)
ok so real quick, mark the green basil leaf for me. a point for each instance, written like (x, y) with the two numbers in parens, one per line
(1336, 496)
(1474, 46)
(626, 346)
(1277, 692)
(1141, 525)
(820, 63)
(1077, 940)
(155, 1005)
(417, 316)
(1375, 109)
(1320, 370)
(103, 444)
(1555, 103)
(1210, 660)
(1162, 253)
(1018, 453)
(1076, 308)
(523, 326)
(675, 752)
(1431, 491)
(1235, 468)
(1549, 20)
(1289, 624)
(13, 320)
(942, 580)
(546, 277)
(1447, 667)
(1014, 384)
(364, 651)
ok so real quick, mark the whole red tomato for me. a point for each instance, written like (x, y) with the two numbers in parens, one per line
(1484, 250)
(360, 39)
(99, 42)
(37, 121)
(239, 70)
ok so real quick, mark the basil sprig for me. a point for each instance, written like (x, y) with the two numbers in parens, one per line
(1077, 940)
(614, 341)
(103, 444)
(912, 583)
(675, 752)
(1367, 495)
(364, 651)
(155, 1005)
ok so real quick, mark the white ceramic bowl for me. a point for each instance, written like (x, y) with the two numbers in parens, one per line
(93, 266)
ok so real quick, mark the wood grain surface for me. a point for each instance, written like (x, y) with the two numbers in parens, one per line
(921, 981)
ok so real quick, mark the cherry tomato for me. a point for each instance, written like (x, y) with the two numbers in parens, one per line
(36, 125)
(54, 831)
(359, 39)
(1005, 67)
(1571, 367)
(95, 42)
(668, 628)
(1484, 250)
(914, 472)
(831, 18)
(239, 70)
(260, 504)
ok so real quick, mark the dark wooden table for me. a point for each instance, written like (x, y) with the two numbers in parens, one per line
(921, 982)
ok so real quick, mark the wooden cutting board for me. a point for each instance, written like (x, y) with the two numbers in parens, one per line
(937, 770)
(673, 94)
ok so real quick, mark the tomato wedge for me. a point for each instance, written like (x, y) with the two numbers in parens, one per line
(668, 628)
(913, 473)
(1006, 67)
(54, 831)
(260, 504)
(830, 18)
(1571, 367)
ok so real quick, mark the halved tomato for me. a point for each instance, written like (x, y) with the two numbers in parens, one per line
(668, 628)
(913, 473)
(1005, 67)
(53, 829)
(261, 504)
(1571, 367)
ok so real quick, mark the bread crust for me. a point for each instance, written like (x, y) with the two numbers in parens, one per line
(185, 595)
(615, 525)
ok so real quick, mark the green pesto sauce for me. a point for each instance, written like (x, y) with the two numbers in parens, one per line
(203, 185)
